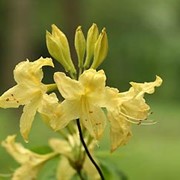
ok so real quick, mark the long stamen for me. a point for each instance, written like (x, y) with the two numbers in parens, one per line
(137, 120)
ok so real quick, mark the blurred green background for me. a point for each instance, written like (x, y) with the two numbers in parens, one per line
(144, 41)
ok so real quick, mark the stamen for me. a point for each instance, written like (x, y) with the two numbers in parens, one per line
(138, 121)
(142, 122)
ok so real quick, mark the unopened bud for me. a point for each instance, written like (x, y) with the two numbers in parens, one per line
(92, 37)
(55, 50)
(80, 46)
(58, 47)
(100, 49)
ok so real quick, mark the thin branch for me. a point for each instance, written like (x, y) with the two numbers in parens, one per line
(87, 151)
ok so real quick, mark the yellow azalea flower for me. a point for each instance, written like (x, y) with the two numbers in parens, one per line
(127, 107)
(83, 99)
(73, 157)
(31, 162)
(28, 91)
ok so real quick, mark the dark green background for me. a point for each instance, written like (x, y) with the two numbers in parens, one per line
(144, 41)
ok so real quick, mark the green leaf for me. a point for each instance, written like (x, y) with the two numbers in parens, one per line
(111, 171)
(48, 172)
(42, 149)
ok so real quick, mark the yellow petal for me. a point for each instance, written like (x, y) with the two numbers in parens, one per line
(111, 98)
(31, 162)
(93, 119)
(132, 103)
(28, 76)
(147, 87)
(15, 149)
(31, 72)
(94, 85)
(69, 88)
(16, 96)
(50, 107)
(65, 170)
(135, 109)
(27, 117)
(57, 114)
(68, 111)
(60, 146)
(119, 130)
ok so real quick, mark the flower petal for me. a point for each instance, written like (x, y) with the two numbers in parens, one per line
(94, 120)
(49, 107)
(27, 117)
(16, 96)
(30, 162)
(18, 152)
(148, 87)
(57, 115)
(31, 72)
(69, 111)
(111, 98)
(69, 88)
(119, 131)
(60, 146)
(135, 109)
(93, 80)
(65, 170)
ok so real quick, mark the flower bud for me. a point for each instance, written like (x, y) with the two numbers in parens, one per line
(100, 49)
(80, 46)
(58, 47)
(92, 37)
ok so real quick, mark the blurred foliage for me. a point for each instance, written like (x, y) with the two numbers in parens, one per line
(144, 41)
(152, 152)
(144, 36)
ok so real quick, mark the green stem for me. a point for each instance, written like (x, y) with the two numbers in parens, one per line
(80, 71)
(51, 87)
(87, 151)
(80, 175)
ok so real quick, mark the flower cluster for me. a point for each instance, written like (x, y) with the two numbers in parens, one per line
(86, 96)
(32, 163)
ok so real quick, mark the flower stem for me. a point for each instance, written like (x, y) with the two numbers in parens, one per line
(87, 151)
(80, 175)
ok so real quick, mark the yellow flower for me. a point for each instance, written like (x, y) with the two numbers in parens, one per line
(31, 162)
(127, 107)
(83, 100)
(86, 98)
(72, 157)
(28, 91)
